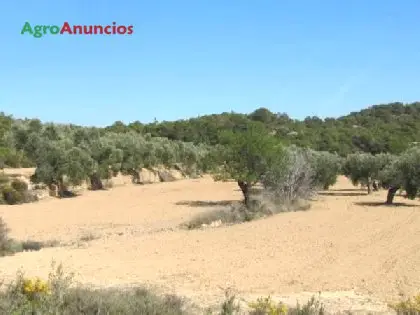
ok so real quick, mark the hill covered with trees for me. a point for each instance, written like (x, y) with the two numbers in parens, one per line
(380, 128)
(388, 128)
(258, 147)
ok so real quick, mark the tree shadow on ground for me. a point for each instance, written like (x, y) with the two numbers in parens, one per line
(204, 203)
(342, 189)
(344, 194)
(67, 194)
(381, 203)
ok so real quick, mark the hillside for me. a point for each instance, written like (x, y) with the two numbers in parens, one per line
(379, 128)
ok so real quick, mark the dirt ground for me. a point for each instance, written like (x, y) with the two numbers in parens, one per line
(349, 246)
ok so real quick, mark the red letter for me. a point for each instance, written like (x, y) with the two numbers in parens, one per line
(107, 31)
(77, 29)
(66, 28)
(130, 30)
(100, 28)
(113, 28)
(87, 29)
(121, 30)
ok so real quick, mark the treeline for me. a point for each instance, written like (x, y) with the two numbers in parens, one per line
(389, 128)
(374, 147)
(386, 128)
(68, 155)
(291, 173)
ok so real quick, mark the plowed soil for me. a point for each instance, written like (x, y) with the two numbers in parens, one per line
(356, 251)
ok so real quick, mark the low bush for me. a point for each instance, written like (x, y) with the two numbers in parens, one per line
(9, 246)
(15, 192)
(262, 205)
(4, 239)
(411, 306)
(19, 185)
(59, 295)
(266, 306)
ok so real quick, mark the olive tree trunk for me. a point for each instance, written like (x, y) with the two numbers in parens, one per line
(391, 194)
(246, 191)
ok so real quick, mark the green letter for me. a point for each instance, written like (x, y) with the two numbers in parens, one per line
(26, 28)
(38, 29)
(54, 29)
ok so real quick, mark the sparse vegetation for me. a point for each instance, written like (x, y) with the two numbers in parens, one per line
(411, 306)
(15, 191)
(9, 246)
(60, 294)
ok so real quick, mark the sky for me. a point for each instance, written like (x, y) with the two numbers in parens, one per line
(188, 58)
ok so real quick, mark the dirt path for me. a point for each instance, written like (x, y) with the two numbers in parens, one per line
(346, 242)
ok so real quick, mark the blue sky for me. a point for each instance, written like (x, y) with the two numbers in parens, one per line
(190, 58)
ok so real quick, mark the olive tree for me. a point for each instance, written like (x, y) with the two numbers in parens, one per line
(326, 167)
(364, 168)
(245, 157)
(59, 160)
(108, 159)
(290, 177)
(137, 151)
(403, 172)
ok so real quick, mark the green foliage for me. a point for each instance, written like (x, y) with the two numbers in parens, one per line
(57, 295)
(233, 145)
(381, 128)
(4, 239)
(19, 185)
(14, 191)
(411, 306)
(364, 167)
(265, 306)
(229, 306)
(404, 172)
(10, 246)
(247, 155)
(12, 196)
(326, 167)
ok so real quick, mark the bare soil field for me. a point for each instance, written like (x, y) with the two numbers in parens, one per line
(356, 251)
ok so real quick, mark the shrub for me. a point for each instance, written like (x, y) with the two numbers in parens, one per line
(19, 185)
(229, 306)
(265, 306)
(4, 239)
(409, 307)
(11, 196)
(9, 246)
(260, 206)
(58, 295)
(233, 214)
(4, 179)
